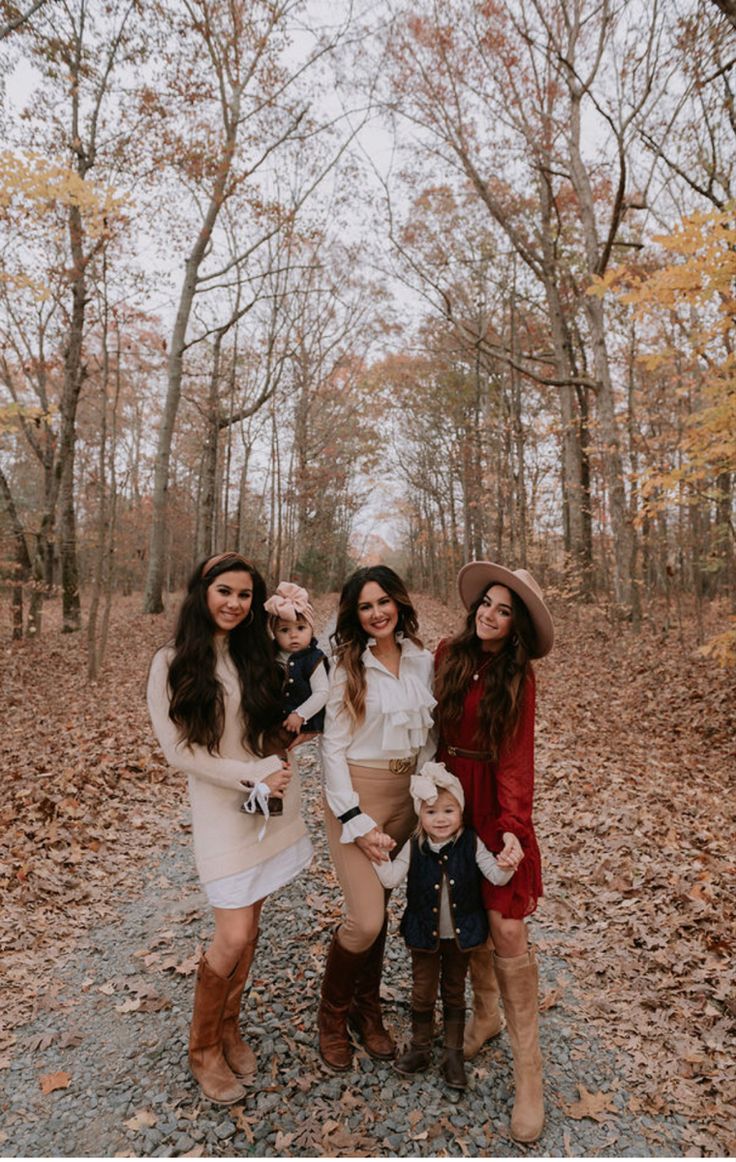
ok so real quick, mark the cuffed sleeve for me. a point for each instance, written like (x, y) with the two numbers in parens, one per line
(488, 865)
(335, 741)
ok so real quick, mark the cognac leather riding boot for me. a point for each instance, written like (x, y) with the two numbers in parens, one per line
(239, 1056)
(206, 1058)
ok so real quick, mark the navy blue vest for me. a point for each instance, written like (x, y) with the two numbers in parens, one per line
(299, 669)
(456, 862)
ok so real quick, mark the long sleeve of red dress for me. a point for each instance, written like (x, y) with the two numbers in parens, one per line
(515, 772)
(499, 796)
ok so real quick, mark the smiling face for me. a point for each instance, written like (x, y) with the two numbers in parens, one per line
(494, 618)
(292, 636)
(229, 599)
(378, 613)
(441, 819)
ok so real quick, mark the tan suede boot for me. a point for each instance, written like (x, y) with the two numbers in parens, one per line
(206, 1059)
(486, 1021)
(519, 983)
(239, 1056)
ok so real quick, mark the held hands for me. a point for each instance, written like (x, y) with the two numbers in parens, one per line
(511, 854)
(376, 844)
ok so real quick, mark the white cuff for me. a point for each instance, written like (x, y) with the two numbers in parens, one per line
(357, 826)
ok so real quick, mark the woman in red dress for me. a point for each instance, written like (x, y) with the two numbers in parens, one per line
(485, 690)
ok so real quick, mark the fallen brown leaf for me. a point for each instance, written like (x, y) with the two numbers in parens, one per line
(143, 1118)
(51, 1081)
(590, 1105)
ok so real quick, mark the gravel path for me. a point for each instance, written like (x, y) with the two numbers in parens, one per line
(115, 1024)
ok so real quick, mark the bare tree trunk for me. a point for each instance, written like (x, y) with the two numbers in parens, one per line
(22, 562)
(206, 500)
(153, 597)
(73, 376)
(517, 426)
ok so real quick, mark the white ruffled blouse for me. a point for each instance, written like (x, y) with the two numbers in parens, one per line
(397, 725)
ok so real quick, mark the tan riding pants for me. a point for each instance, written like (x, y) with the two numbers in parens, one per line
(385, 797)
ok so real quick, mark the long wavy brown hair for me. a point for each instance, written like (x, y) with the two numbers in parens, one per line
(197, 704)
(350, 639)
(504, 676)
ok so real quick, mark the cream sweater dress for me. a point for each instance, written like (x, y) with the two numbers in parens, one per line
(234, 866)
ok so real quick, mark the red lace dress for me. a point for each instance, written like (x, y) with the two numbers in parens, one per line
(499, 796)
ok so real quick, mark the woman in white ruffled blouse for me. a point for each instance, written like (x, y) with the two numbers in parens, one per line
(378, 730)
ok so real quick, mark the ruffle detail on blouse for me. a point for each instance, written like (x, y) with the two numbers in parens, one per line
(406, 710)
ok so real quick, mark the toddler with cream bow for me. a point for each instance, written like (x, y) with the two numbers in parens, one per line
(444, 918)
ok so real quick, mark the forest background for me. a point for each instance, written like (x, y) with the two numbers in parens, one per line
(321, 282)
(334, 282)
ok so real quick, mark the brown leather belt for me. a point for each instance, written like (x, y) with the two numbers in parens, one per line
(481, 755)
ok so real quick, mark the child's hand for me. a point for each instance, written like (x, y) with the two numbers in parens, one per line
(294, 722)
(376, 844)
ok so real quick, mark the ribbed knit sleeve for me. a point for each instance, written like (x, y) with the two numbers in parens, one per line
(193, 759)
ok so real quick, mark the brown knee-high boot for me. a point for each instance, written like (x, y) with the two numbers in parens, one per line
(338, 986)
(239, 1056)
(418, 1056)
(453, 1063)
(206, 1059)
(519, 982)
(425, 971)
(365, 1017)
(486, 1021)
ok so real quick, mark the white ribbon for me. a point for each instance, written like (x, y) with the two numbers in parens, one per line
(433, 778)
(258, 798)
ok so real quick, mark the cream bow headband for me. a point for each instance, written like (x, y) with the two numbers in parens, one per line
(433, 778)
(289, 603)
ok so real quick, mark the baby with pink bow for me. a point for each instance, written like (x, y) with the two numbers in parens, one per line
(305, 666)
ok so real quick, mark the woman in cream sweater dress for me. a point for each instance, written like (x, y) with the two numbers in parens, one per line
(214, 695)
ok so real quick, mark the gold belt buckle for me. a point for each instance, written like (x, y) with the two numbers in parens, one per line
(401, 766)
(452, 750)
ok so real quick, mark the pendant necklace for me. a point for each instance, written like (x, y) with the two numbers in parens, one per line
(483, 666)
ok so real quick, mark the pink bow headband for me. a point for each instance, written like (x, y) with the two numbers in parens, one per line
(290, 603)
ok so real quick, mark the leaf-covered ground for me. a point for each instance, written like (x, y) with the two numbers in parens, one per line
(636, 819)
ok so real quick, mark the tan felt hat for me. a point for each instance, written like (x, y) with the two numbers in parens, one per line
(475, 577)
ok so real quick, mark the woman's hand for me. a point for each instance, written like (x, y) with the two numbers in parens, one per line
(511, 854)
(376, 844)
(276, 782)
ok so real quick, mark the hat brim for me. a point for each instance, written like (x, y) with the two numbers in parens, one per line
(475, 577)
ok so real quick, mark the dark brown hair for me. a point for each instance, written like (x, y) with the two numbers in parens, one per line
(197, 704)
(504, 676)
(350, 639)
